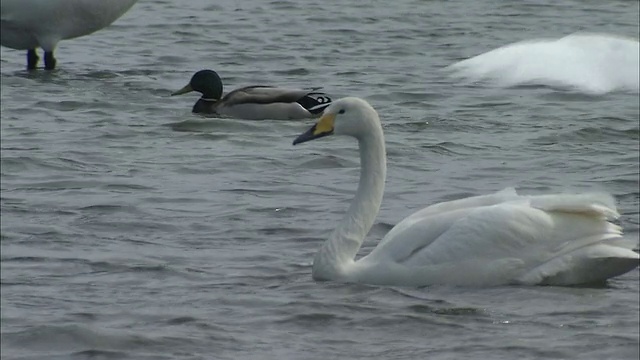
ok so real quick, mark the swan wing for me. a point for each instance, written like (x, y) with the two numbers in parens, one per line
(507, 194)
(556, 239)
(444, 213)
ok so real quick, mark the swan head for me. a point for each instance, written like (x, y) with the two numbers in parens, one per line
(206, 82)
(350, 116)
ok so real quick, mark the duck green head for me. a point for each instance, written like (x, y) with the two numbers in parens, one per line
(206, 82)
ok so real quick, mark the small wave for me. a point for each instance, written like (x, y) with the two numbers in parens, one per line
(99, 354)
(589, 63)
(109, 208)
(420, 308)
(293, 72)
(65, 105)
(588, 135)
(192, 125)
(12, 164)
(98, 74)
(50, 337)
(315, 319)
(328, 162)
(97, 266)
(83, 342)
(127, 186)
(214, 123)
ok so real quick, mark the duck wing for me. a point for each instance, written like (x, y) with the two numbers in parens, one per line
(312, 100)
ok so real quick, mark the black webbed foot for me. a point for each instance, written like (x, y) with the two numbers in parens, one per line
(32, 59)
(49, 60)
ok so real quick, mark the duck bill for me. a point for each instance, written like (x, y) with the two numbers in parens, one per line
(184, 90)
(322, 128)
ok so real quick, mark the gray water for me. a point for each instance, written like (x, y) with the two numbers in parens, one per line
(132, 229)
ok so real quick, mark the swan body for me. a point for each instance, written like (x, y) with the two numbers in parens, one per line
(589, 63)
(29, 24)
(253, 102)
(496, 239)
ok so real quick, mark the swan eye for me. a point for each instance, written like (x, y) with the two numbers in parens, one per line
(341, 111)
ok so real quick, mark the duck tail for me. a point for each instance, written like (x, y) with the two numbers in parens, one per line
(315, 102)
(318, 109)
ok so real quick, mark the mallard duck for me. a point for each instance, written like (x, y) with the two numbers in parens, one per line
(256, 102)
(495, 239)
(29, 24)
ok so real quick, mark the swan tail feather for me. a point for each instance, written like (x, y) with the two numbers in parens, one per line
(598, 205)
(587, 265)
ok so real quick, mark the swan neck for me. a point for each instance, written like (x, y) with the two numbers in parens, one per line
(345, 241)
(373, 171)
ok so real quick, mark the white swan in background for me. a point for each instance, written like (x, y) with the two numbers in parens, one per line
(501, 238)
(589, 63)
(29, 24)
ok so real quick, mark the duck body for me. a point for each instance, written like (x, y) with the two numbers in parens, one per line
(29, 24)
(496, 239)
(256, 102)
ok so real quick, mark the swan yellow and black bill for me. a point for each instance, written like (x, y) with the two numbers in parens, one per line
(323, 127)
(184, 90)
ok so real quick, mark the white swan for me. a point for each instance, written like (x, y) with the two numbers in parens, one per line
(501, 238)
(28, 24)
(589, 63)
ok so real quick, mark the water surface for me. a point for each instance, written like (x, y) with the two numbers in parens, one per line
(132, 229)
